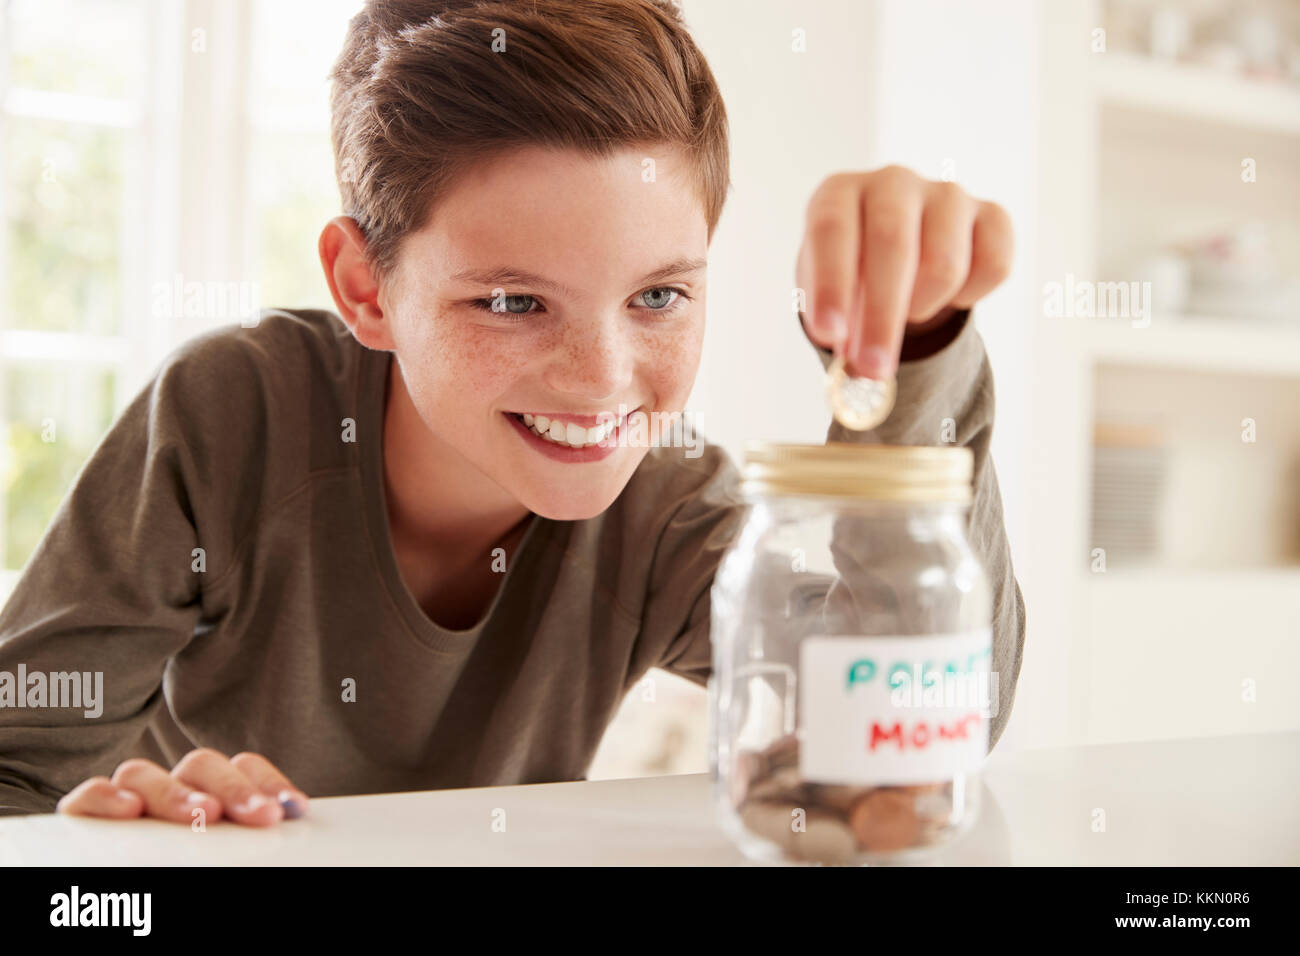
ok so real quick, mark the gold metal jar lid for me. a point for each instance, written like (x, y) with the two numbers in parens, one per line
(906, 473)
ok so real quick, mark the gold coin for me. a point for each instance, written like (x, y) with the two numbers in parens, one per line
(858, 403)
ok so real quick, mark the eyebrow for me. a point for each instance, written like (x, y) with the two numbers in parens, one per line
(505, 274)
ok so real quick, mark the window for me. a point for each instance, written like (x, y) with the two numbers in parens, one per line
(292, 190)
(145, 145)
(73, 76)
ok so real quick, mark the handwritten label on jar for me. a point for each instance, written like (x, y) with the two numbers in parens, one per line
(894, 710)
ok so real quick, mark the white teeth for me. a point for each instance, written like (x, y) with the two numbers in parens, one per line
(567, 433)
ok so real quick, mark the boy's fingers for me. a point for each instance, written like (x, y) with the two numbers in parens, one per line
(947, 226)
(164, 797)
(248, 789)
(268, 778)
(890, 253)
(241, 800)
(98, 797)
(829, 259)
(993, 246)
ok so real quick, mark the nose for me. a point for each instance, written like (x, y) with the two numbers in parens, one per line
(593, 361)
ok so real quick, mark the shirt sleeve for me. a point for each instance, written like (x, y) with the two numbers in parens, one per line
(944, 396)
(704, 522)
(112, 590)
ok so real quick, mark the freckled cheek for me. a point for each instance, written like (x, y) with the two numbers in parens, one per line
(469, 367)
(673, 361)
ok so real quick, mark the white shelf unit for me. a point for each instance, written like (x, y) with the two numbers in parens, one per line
(1125, 142)
(1193, 342)
(1197, 93)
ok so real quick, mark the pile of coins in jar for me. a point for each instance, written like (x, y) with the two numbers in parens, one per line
(887, 583)
(839, 823)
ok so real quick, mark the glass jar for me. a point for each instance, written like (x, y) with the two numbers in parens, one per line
(852, 643)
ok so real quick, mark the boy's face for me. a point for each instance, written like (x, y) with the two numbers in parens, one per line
(591, 331)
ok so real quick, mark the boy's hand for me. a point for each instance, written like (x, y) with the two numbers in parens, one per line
(247, 789)
(887, 254)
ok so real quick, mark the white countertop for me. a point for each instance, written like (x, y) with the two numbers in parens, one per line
(1215, 801)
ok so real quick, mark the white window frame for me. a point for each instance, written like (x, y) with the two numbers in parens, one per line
(187, 210)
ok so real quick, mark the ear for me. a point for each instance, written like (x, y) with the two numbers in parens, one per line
(352, 284)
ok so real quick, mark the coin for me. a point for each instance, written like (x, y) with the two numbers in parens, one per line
(885, 821)
(776, 784)
(782, 752)
(932, 803)
(838, 821)
(837, 797)
(858, 403)
(823, 839)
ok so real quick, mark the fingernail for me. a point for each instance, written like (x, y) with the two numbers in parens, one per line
(873, 362)
(197, 797)
(124, 796)
(293, 809)
(832, 323)
(255, 802)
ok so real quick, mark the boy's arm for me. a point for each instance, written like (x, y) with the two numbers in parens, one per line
(944, 374)
(946, 396)
(111, 592)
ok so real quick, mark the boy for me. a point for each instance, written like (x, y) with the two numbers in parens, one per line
(397, 549)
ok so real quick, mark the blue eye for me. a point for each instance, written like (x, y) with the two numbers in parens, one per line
(513, 308)
(506, 305)
(663, 299)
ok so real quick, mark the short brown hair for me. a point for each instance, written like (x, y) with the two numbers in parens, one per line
(418, 94)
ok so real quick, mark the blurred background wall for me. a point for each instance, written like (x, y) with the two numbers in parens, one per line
(1146, 348)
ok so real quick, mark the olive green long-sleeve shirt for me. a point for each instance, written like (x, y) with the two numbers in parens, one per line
(221, 574)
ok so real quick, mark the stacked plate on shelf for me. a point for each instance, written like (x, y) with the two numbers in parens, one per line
(1236, 273)
(1128, 477)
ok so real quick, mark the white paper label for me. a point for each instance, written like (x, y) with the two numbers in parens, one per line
(894, 710)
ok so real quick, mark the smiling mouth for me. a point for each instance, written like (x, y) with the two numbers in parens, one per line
(568, 434)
